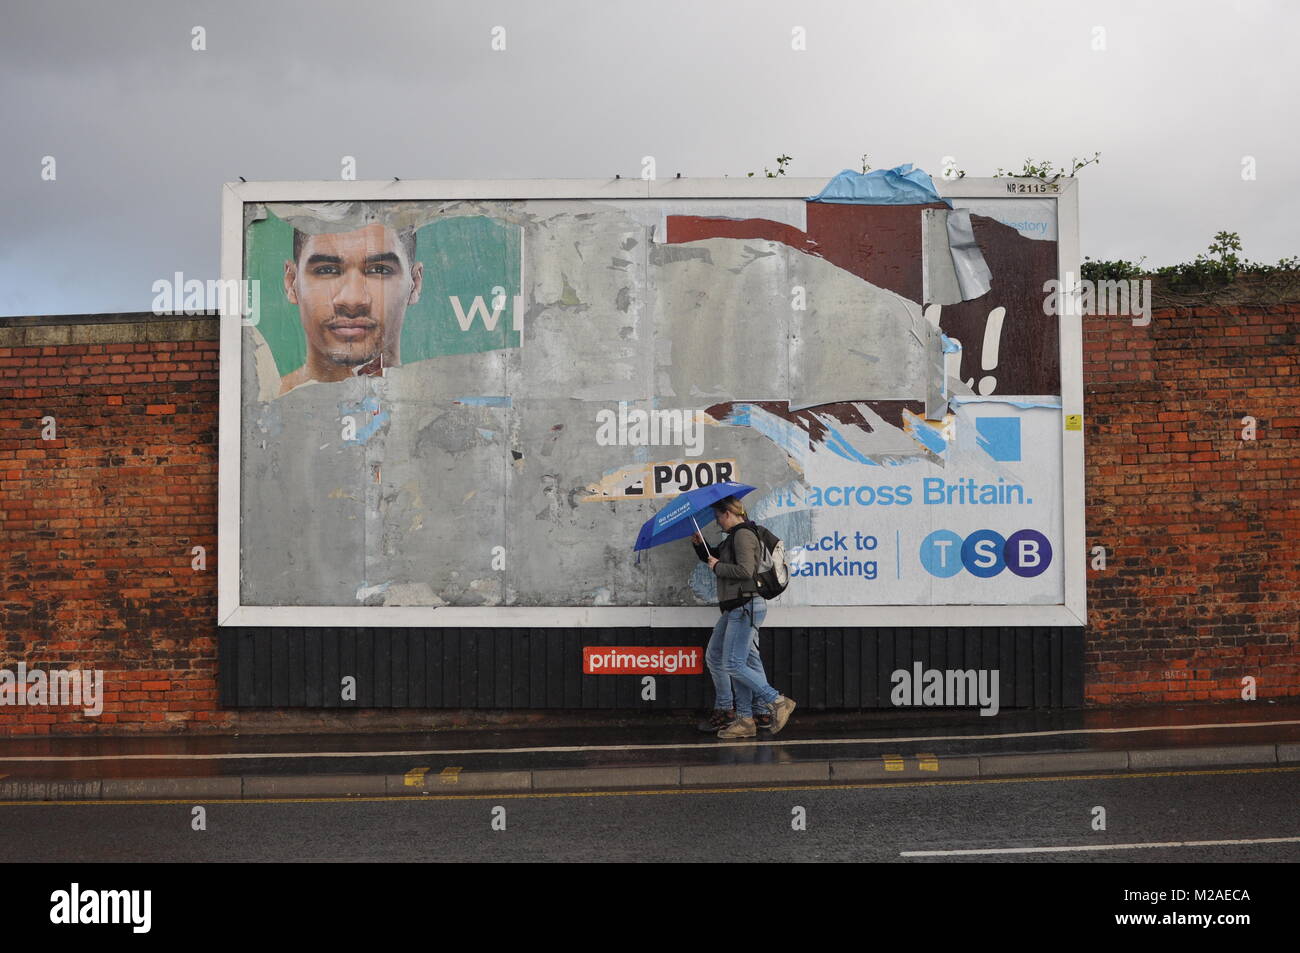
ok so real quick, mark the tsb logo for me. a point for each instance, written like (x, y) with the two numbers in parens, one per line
(984, 553)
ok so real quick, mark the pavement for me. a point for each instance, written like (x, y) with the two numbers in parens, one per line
(655, 751)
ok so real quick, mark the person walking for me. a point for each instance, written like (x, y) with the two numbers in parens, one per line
(732, 655)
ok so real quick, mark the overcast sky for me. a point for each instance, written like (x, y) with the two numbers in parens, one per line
(144, 129)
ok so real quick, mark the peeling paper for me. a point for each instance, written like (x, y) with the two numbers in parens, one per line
(789, 524)
(787, 436)
(791, 212)
(886, 444)
(371, 419)
(901, 185)
(973, 275)
(934, 435)
(317, 218)
(268, 419)
(412, 594)
(268, 374)
(938, 276)
(1046, 400)
(1032, 218)
(364, 592)
(649, 330)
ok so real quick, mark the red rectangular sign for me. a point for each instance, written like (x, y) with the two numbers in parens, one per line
(642, 660)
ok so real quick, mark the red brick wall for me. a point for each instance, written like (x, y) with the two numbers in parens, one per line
(1201, 528)
(98, 524)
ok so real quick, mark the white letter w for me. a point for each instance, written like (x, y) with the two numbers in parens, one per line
(489, 318)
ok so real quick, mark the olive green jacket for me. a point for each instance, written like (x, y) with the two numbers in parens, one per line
(739, 557)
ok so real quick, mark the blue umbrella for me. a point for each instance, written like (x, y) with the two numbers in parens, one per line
(677, 519)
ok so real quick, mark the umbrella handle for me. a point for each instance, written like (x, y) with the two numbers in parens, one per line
(706, 542)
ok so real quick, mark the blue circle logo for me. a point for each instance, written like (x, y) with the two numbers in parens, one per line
(941, 553)
(1028, 553)
(981, 554)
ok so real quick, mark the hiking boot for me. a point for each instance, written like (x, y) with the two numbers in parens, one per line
(781, 709)
(740, 728)
(762, 719)
(718, 719)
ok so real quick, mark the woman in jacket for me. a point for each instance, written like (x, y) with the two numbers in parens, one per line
(732, 654)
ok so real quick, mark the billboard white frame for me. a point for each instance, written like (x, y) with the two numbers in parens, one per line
(1073, 612)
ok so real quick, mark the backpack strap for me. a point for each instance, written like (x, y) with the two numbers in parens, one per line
(764, 534)
(754, 528)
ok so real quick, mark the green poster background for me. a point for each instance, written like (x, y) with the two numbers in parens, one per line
(466, 257)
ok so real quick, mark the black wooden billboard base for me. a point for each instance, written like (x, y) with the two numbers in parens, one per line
(825, 669)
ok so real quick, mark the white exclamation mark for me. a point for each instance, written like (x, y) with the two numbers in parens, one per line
(989, 354)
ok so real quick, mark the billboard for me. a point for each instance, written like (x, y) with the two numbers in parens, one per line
(455, 403)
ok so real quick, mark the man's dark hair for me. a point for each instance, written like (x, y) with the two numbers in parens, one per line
(404, 235)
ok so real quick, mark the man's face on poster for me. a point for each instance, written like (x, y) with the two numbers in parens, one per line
(352, 290)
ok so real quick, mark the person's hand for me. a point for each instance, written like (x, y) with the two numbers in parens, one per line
(713, 561)
(697, 537)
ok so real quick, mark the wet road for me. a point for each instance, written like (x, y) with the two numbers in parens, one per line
(882, 822)
(809, 738)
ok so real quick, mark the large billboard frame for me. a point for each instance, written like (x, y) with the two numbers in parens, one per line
(1073, 612)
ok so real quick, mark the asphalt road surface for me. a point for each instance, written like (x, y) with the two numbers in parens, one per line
(1022, 820)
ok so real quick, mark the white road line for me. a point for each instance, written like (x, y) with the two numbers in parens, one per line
(1051, 850)
(563, 749)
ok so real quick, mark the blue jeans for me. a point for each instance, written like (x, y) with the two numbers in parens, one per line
(733, 654)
